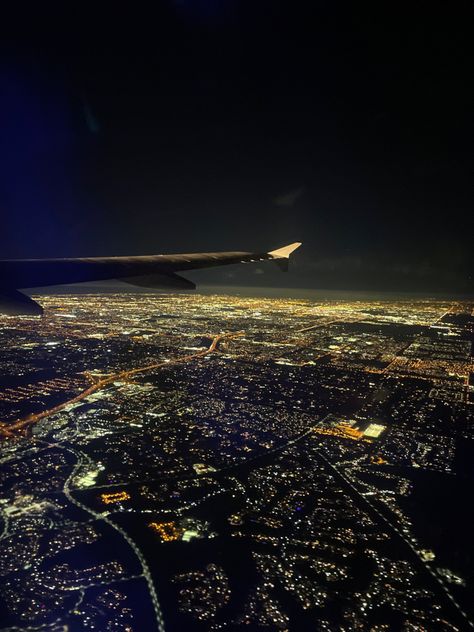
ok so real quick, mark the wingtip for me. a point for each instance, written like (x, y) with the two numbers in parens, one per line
(285, 252)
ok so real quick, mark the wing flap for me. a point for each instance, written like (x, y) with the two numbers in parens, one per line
(166, 281)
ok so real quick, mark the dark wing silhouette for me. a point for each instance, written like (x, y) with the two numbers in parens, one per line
(146, 271)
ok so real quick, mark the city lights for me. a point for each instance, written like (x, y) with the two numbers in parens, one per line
(286, 440)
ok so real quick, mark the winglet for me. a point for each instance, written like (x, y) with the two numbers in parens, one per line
(285, 252)
(282, 255)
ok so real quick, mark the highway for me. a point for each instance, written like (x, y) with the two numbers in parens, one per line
(8, 431)
(343, 478)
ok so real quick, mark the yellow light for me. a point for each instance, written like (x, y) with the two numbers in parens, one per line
(168, 531)
(115, 497)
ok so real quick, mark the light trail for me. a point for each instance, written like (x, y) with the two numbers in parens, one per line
(7, 430)
(397, 531)
(99, 516)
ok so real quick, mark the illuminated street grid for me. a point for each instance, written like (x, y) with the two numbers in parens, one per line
(188, 462)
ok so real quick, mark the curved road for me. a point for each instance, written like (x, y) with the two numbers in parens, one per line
(8, 430)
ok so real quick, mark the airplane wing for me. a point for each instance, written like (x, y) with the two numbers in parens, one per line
(146, 271)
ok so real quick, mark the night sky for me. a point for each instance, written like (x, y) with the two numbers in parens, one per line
(207, 125)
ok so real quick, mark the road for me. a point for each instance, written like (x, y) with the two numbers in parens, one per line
(9, 430)
(342, 477)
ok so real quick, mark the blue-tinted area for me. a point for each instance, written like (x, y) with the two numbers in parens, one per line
(38, 155)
